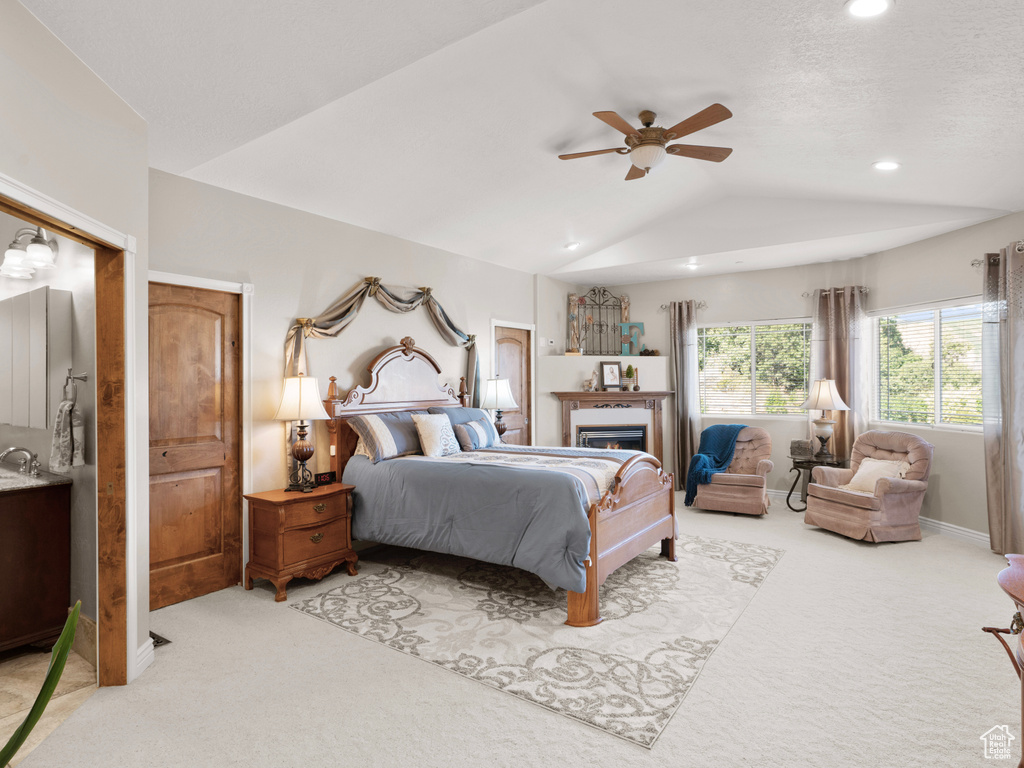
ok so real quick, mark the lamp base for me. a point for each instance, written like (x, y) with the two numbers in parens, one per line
(823, 453)
(499, 425)
(301, 479)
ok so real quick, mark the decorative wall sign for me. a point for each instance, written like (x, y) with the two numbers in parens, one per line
(631, 333)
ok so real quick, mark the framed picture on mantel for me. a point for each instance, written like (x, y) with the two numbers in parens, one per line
(611, 376)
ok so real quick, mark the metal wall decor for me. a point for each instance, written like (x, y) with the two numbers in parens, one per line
(594, 321)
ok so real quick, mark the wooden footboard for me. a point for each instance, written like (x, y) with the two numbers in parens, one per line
(634, 514)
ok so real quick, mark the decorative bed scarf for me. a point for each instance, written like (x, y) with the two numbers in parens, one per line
(336, 318)
(68, 439)
(717, 445)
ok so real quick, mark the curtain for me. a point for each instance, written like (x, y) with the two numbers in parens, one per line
(685, 382)
(839, 351)
(337, 317)
(1002, 347)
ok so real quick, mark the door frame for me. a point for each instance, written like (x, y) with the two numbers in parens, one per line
(532, 328)
(118, 540)
(246, 291)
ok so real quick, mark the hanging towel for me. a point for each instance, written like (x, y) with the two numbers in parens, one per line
(717, 445)
(68, 439)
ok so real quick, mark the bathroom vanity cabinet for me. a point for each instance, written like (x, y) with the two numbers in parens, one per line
(35, 557)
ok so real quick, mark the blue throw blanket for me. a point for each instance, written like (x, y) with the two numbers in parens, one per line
(717, 445)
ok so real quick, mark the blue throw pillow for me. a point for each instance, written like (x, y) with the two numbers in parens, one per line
(387, 435)
(476, 434)
(460, 415)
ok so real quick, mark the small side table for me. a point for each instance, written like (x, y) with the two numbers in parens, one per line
(299, 534)
(803, 465)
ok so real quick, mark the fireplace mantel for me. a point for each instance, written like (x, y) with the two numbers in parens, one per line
(651, 401)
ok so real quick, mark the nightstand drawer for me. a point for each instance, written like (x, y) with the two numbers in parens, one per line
(313, 511)
(316, 541)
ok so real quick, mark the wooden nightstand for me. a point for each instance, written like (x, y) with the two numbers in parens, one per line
(299, 534)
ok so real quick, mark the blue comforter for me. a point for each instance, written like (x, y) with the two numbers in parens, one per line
(529, 519)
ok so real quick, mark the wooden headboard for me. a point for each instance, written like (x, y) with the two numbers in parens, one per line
(402, 378)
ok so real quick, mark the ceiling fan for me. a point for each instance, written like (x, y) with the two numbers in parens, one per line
(646, 146)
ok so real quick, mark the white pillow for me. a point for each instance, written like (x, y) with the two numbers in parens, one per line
(872, 470)
(436, 435)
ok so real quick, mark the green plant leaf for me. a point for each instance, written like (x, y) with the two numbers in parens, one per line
(58, 658)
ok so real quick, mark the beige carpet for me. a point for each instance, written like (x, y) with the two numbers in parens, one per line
(503, 627)
(850, 655)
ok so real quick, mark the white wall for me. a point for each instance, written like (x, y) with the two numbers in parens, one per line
(299, 265)
(65, 134)
(932, 270)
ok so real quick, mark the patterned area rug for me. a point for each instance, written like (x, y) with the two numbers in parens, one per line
(503, 627)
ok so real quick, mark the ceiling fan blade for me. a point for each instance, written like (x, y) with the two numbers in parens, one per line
(574, 155)
(635, 173)
(714, 154)
(616, 122)
(716, 113)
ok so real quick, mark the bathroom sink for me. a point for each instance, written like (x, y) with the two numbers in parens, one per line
(12, 480)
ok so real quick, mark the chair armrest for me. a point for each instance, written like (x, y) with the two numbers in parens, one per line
(764, 466)
(831, 476)
(885, 485)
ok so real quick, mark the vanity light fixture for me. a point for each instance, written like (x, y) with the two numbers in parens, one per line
(885, 165)
(30, 250)
(867, 8)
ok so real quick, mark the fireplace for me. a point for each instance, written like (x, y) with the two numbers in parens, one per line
(625, 437)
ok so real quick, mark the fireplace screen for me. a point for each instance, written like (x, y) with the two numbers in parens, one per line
(623, 437)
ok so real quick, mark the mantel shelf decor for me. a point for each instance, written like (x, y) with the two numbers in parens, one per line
(333, 320)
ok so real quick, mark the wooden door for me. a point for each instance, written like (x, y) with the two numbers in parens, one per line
(512, 361)
(195, 505)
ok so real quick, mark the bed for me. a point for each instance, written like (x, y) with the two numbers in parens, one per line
(510, 505)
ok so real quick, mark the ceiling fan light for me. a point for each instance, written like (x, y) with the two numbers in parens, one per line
(647, 156)
(867, 8)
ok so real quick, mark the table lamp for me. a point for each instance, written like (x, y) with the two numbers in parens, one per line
(301, 402)
(497, 396)
(824, 397)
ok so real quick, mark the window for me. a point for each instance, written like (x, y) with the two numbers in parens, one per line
(916, 385)
(777, 380)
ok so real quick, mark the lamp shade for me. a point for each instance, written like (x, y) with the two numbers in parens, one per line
(497, 395)
(301, 400)
(824, 397)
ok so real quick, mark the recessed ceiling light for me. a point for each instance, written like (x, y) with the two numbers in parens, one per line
(692, 266)
(571, 246)
(885, 165)
(867, 8)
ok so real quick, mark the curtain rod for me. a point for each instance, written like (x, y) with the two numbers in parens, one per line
(861, 288)
(699, 305)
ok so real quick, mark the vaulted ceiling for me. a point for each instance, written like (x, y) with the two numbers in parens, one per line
(440, 121)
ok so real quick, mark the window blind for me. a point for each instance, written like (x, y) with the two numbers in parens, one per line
(754, 369)
(960, 374)
(915, 384)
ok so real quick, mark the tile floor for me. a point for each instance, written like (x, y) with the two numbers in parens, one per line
(21, 677)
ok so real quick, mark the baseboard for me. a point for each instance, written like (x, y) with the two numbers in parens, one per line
(84, 643)
(957, 532)
(144, 656)
(980, 538)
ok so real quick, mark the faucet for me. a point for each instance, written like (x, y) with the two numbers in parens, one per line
(28, 463)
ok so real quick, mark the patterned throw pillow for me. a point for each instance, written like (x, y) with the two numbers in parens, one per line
(386, 435)
(479, 433)
(436, 436)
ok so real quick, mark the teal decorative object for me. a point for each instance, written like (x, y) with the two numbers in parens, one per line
(631, 333)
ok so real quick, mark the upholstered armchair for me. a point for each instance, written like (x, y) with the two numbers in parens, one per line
(743, 487)
(891, 512)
